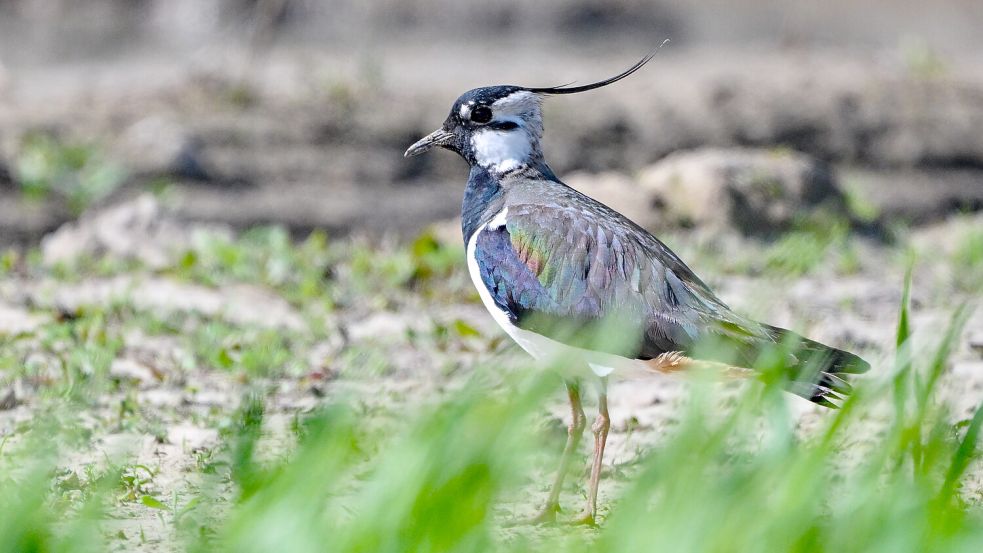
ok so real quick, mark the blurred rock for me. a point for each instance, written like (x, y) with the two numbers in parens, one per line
(156, 146)
(22, 220)
(618, 192)
(751, 190)
(15, 321)
(976, 341)
(8, 399)
(129, 369)
(139, 229)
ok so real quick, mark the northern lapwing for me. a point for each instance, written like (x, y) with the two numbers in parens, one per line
(555, 268)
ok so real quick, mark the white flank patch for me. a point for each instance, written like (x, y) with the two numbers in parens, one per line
(501, 151)
(538, 346)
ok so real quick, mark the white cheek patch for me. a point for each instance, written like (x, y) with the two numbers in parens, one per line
(501, 151)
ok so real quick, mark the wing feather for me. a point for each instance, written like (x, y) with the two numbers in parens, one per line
(557, 269)
(565, 268)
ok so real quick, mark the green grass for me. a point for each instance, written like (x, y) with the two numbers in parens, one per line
(967, 259)
(731, 476)
(450, 468)
(79, 172)
(253, 351)
(264, 256)
(809, 246)
(734, 481)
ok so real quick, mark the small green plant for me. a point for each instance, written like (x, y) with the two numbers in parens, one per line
(377, 466)
(8, 261)
(796, 253)
(78, 172)
(740, 480)
(82, 348)
(264, 256)
(967, 259)
(254, 351)
(426, 260)
(861, 208)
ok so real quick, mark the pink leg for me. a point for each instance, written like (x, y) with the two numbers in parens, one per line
(574, 433)
(600, 428)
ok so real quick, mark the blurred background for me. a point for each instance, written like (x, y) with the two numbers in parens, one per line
(226, 298)
(297, 111)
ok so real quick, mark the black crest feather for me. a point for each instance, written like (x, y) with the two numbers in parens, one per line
(565, 89)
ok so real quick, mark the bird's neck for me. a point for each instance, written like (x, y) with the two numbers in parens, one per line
(484, 195)
(484, 189)
(504, 152)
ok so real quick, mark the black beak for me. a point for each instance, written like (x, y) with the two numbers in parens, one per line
(439, 137)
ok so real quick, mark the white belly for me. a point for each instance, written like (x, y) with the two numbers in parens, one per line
(556, 354)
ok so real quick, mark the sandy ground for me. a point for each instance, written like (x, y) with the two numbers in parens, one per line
(179, 405)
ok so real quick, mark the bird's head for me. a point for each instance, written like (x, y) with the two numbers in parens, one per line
(500, 127)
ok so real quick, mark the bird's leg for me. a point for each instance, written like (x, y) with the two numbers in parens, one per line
(600, 428)
(575, 431)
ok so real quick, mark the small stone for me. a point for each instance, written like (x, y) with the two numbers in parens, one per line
(128, 369)
(976, 342)
(192, 437)
(8, 399)
(15, 321)
(139, 229)
(618, 192)
(158, 146)
(755, 191)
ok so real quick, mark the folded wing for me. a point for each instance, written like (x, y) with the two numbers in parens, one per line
(565, 271)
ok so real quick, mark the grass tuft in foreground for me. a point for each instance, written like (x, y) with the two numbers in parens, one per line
(887, 472)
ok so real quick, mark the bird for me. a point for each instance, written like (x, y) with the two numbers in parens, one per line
(575, 283)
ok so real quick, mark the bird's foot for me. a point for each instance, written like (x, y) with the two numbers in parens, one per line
(547, 515)
(585, 518)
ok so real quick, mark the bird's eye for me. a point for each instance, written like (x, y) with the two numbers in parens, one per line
(481, 114)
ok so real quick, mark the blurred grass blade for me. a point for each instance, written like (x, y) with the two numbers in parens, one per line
(902, 355)
(246, 473)
(942, 353)
(154, 503)
(964, 455)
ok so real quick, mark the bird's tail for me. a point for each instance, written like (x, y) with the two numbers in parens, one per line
(818, 373)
